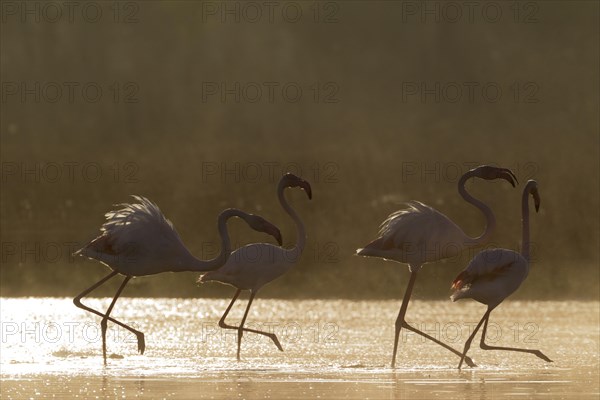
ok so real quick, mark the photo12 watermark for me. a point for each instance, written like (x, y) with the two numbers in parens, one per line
(71, 172)
(66, 332)
(288, 332)
(63, 252)
(71, 12)
(469, 92)
(454, 332)
(226, 172)
(270, 92)
(270, 12)
(455, 252)
(469, 12)
(326, 252)
(69, 92)
(452, 171)
(69, 332)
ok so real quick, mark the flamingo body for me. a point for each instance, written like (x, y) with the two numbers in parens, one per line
(416, 235)
(420, 234)
(252, 266)
(138, 240)
(491, 276)
(494, 274)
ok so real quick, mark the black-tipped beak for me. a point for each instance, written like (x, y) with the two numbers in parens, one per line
(306, 186)
(507, 174)
(536, 200)
(275, 232)
(490, 172)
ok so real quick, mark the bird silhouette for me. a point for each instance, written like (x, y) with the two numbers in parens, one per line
(494, 274)
(137, 240)
(253, 266)
(420, 234)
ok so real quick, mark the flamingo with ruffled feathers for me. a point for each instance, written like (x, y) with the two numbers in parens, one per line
(494, 274)
(253, 266)
(420, 234)
(138, 240)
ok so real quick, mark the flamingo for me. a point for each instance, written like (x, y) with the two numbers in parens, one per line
(253, 266)
(421, 234)
(138, 240)
(494, 274)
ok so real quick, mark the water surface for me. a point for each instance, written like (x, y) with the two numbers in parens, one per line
(333, 349)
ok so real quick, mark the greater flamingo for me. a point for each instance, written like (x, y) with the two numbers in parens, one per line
(494, 274)
(421, 234)
(138, 240)
(253, 266)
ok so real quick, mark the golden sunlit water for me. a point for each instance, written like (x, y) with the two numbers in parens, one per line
(333, 349)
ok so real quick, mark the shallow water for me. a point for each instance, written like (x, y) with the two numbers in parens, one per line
(333, 349)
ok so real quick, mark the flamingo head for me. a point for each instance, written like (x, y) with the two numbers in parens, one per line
(260, 224)
(489, 173)
(532, 188)
(291, 180)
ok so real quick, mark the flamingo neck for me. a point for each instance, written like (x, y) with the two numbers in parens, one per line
(525, 245)
(193, 264)
(301, 232)
(490, 220)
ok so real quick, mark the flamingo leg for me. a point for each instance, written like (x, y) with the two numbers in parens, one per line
(402, 313)
(104, 322)
(401, 323)
(224, 325)
(77, 301)
(241, 328)
(468, 360)
(484, 346)
(470, 339)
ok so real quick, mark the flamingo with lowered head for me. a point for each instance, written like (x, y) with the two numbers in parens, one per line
(138, 240)
(421, 234)
(494, 274)
(253, 266)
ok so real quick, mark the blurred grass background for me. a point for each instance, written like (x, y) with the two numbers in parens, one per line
(364, 153)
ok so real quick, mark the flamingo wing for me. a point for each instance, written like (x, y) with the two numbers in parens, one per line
(417, 234)
(137, 233)
(491, 276)
(139, 223)
(252, 266)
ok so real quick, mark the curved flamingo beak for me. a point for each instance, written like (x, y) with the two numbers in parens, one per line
(532, 188)
(508, 175)
(536, 199)
(274, 231)
(291, 180)
(306, 187)
(489, 172)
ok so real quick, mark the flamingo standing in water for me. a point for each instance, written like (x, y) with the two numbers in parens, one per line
(138, 240)
(253, 266)
(421, 234)
(494, 274)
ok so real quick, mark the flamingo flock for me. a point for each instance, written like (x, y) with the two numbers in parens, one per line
(421, 234)
(138, 240)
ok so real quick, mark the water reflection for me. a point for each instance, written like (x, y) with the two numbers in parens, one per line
(352, 363)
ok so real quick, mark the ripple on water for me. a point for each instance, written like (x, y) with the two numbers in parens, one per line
(332, 349)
